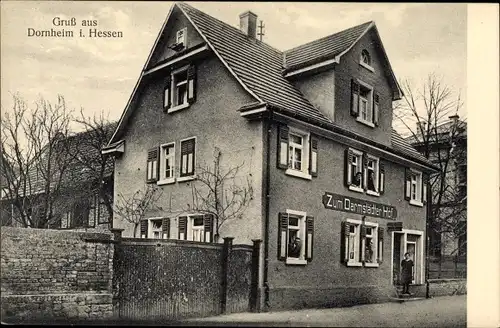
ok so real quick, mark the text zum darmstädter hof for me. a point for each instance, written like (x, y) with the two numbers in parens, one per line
(69, 28)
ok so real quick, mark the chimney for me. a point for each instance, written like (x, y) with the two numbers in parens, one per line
(454, 118)
(248, 24)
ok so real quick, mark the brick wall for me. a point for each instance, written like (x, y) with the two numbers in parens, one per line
(53, 274)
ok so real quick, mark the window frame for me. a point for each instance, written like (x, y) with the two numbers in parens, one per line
(174, 89)
(184, 36)
(193, 175)
(190, 227)
(360, 244)
(152, 230)
(162, 179)
(302, 216)
(306, 137)
(376, 183)
(370, 103)
(368, 66)
(418, 200)
(359, 158)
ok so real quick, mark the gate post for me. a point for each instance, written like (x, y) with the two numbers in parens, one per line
(117, 272)
(254, 285)
(226, 252)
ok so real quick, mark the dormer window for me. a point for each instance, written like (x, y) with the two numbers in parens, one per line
(366, 60)
(364, 103)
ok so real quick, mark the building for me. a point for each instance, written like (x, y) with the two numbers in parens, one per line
(74, 200)
(446, 147)
(338, 196)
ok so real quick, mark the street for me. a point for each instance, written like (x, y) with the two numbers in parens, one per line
(445, 311)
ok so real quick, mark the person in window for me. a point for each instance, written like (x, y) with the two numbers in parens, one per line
(294, 247)
(357, 179)
(371, 180)
(406, 273)
(369, 251)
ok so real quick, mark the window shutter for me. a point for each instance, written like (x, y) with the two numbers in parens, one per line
(165, 225)
(208, 227)
(283, 147)
(365, 171)
(376, 99)
(282, 236)
(64, 221)
(144, 228)
(425, 180)
(354, 98)
(187, 164)
(167, 93)
(381, 179)
(407, 183)
(313, 158)
(191, 84)
(183, 227)
(309, 238)
(347, 169)
(362, 244)
(380, 248)
(344, 242)
(152, 168)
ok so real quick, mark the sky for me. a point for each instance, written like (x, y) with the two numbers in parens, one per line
(100, 74)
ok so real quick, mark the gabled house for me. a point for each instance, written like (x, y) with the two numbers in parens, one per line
(446, 147)
(66, 195)
(339, 196)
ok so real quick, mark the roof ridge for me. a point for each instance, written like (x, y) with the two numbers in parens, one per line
(279, 52)
(327, 36)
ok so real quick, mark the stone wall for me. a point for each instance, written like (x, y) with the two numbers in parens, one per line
(447, 287)
(55, 274)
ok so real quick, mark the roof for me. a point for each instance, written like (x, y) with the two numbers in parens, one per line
(443, 131)
(258, 65)
(327, 47)
(259, 68)
(83, 145)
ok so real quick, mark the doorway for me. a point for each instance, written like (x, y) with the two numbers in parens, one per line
(407, 241)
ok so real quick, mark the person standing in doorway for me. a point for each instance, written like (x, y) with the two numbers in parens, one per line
(406, 273)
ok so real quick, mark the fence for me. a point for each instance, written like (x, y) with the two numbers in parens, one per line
(174, 279)
(447, 267)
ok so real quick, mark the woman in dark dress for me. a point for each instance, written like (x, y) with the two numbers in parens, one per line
(406, 273)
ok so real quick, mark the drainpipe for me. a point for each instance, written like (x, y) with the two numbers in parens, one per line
(427, 240)
(267, 138)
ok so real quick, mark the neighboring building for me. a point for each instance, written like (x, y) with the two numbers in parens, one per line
(446, 147)
(74, 188)
(313, 126)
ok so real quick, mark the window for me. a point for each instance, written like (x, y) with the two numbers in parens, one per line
(372, 175)
(415, 191)
(77, 216)
(155, 228)
(196, 227)
(297, 152)
(188, 152)
(167, 163)
(364, 103)
(152, 165)
(295, 240)
(364, 172)
(179, 91)
(366, 60)
(181, 37)
(362, 243)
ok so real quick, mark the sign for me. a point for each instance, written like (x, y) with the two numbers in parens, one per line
(358, 206)
(395, 226)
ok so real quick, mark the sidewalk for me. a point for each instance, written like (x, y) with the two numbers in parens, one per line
(445, 311)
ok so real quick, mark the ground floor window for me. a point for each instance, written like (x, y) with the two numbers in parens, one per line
(295, 238)
(196, 227)
(363, 243)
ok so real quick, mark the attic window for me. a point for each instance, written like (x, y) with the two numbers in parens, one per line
(181, 37)
(365, 60)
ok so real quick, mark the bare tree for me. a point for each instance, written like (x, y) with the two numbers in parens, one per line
(134, 209)
(424, 113)
(221, 192)
(85, 150)
(31, 147)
